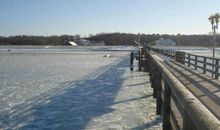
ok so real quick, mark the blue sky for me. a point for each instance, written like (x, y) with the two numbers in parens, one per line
(84, 17)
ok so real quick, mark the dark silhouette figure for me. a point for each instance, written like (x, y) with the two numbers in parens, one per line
(131, 60)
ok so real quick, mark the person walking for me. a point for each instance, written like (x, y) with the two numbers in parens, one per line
(131, 60)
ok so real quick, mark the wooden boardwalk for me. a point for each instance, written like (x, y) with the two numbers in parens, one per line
(184, 86)
(206, 89)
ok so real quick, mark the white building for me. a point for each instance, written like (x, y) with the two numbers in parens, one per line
(72, 43)
(165, 42)
(85, 42)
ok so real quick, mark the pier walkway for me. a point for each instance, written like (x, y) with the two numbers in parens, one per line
(206, 89)
(187, 98)
(203, 87)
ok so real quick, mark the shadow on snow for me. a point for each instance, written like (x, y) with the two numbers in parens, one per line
(71, 105)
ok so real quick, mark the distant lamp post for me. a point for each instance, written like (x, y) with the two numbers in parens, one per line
(214, 19)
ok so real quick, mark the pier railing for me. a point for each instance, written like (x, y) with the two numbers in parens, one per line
(166, 52)
(179, 108)
(203, 63)
(206, 65)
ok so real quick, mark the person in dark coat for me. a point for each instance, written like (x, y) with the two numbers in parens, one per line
(131, 60)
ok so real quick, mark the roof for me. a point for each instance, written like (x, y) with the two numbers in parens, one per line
(72, 43)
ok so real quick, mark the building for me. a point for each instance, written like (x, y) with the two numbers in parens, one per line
(72, 43)
(165, 42)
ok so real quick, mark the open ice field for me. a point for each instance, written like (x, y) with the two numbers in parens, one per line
(73, 90)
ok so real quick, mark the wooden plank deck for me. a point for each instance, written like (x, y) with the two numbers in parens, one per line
(206, 89)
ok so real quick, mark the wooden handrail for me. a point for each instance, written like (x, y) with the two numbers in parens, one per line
(193, 60)
(193, 113)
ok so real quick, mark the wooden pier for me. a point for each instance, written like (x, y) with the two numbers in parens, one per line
(187, 98)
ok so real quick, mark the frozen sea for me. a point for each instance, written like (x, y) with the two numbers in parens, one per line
(73, 89)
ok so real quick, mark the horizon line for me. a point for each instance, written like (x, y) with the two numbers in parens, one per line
(88, 35)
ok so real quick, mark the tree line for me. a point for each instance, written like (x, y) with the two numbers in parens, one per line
(111, 39)
(129, 39)
(36, 40)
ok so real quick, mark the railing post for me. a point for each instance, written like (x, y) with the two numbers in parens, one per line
(166, 107)
(216, 68)
(204, 65)
(145, 61)
(139, 60)
(188, 59)
(187, 122)
(196, 62)
(179, 56)
(183, 57)
(159, 80)
(142, 57)
(154, 82)
(152, 75)
(173, 53)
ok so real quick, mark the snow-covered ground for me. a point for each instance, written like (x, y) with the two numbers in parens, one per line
(61, 49)
(77, 90)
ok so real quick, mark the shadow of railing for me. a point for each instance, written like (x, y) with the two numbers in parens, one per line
(133, 99)
(71, 105)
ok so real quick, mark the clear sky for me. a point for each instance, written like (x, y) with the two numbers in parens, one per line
(57, 17)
